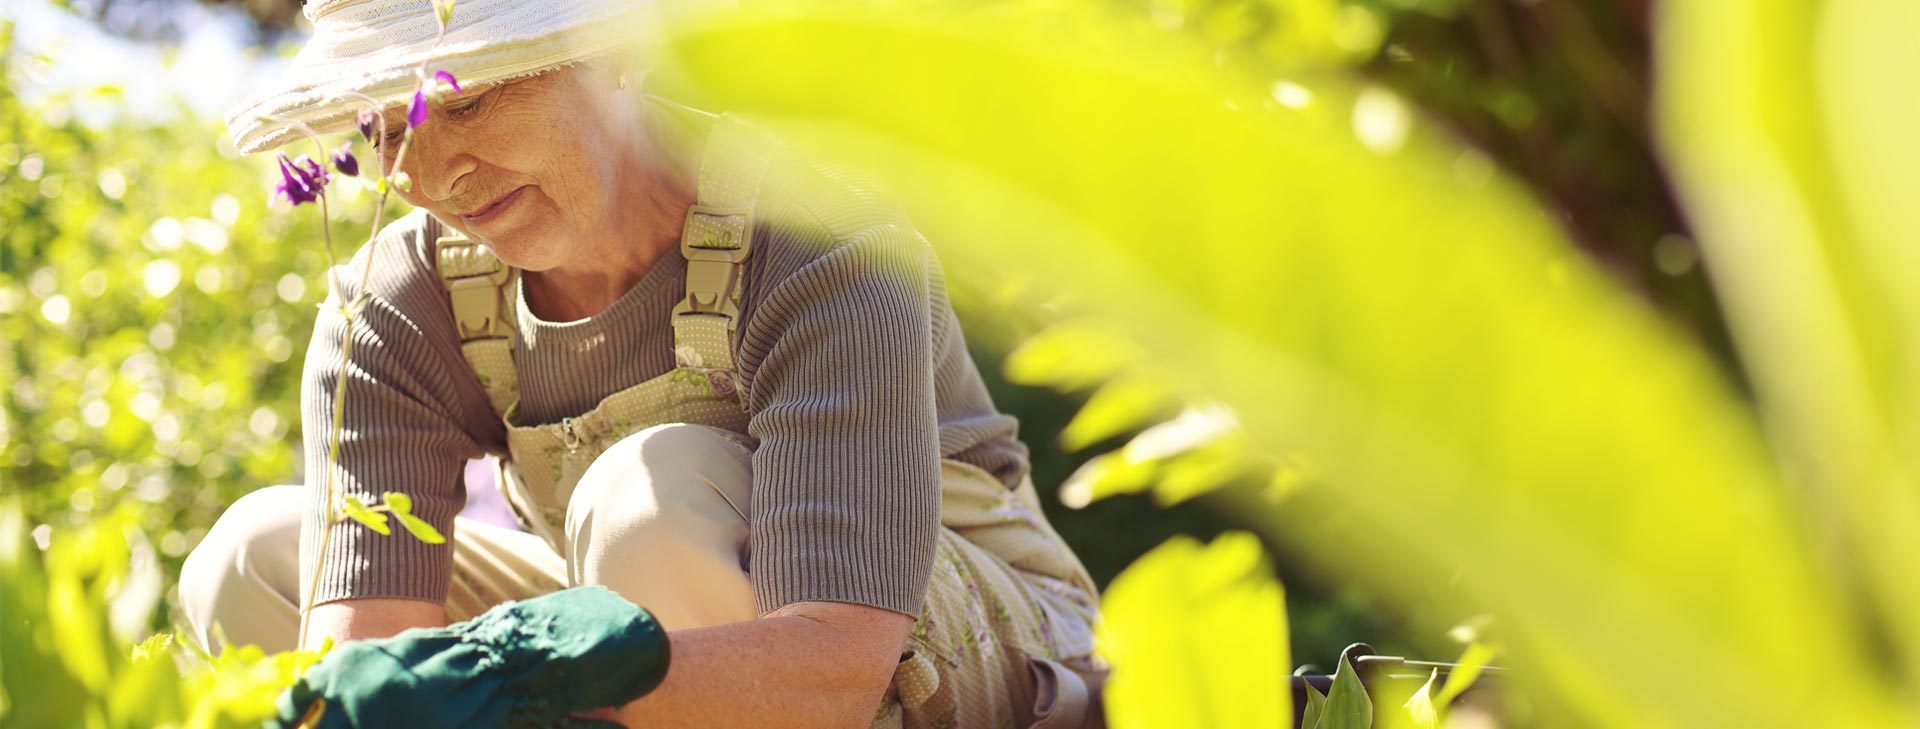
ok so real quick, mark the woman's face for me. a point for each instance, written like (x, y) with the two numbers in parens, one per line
(529, 167)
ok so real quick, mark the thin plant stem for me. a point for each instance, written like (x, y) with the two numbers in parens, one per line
(351, 312)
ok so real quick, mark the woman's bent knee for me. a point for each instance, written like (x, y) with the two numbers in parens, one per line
(660, 518)
(661, 470)
(244, 576)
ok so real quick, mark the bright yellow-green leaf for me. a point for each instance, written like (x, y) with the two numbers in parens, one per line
(1789, 127)
(1185, 607)
(1195, 473)
(1534, 438)
(154, 647)
(397, 502)
(357, 510)
(1464, 673)
(1123, 403)
(1106, 475)
(76, 612)
(420, 529)
(1419, 711)
(1070, 355)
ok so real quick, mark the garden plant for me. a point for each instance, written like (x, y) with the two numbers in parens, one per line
(1287, 260)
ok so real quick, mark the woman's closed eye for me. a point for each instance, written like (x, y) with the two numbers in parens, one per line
(464, 109)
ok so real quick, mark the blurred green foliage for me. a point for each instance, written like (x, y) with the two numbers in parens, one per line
(153, 316)
(1437, 380)
(67, 658)
(1492, 422)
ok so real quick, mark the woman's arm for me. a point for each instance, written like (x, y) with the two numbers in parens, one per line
(376, 617)
(813, 664)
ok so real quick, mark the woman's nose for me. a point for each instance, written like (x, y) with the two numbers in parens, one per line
(436, 161)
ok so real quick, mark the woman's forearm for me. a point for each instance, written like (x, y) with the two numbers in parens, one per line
(808, 665)
(376, 617)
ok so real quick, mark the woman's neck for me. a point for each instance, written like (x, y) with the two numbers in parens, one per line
(650, 211)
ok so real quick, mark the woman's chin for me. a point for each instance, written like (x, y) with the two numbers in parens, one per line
(526, 250)
(527, 245)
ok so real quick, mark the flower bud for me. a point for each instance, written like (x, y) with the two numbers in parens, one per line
(344, 161)
(369, 123)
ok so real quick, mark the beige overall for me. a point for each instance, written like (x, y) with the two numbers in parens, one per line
(1005, 635)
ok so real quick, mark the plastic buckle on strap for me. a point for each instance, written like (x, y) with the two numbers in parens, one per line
(479, 307)
(476, 284)
(715, 242)
(715, 233)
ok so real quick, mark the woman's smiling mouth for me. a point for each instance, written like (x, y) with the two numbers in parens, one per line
(493, 210)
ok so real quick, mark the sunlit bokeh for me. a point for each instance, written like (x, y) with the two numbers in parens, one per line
(1578, 336)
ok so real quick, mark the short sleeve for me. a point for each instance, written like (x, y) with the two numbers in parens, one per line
(409, 422)
(846, 503)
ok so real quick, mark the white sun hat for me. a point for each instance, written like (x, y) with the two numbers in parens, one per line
(372, 48)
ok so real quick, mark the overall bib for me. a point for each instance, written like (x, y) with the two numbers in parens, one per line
(1005, 633)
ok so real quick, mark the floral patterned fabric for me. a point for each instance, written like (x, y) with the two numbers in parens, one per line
(1005, 590)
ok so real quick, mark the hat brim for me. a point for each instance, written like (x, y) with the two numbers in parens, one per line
(489, 41)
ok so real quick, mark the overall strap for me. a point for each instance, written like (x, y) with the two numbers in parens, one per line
(716, 241)
(480, 287)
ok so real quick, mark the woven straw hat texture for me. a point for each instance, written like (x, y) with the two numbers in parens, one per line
(373, 48)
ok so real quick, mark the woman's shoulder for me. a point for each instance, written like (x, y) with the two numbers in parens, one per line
(398, 268)
(812, 210)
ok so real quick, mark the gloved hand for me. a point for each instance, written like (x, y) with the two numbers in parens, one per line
(522, 664)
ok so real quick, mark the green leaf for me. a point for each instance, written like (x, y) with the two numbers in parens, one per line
(155, 646)
(1105, 475)
(420, 529)
(1348, 706)
(1464, 673)
(355, 509)
(1420, 711)
(1070, 355)
(1122, 404)
(1186, 605)
(1447, 356)
(397, 502)
(1316, 705)
(1200, 471)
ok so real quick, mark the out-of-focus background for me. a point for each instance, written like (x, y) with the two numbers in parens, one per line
(1463, 351)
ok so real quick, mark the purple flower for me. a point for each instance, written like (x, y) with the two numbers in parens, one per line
(344, 162)
(301, 181)
(417, 114)
(369, 123)
(447, 78)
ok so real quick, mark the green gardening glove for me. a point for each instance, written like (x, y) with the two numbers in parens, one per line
(522, 664)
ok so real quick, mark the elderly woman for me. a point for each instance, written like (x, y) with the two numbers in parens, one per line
(725, 383)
